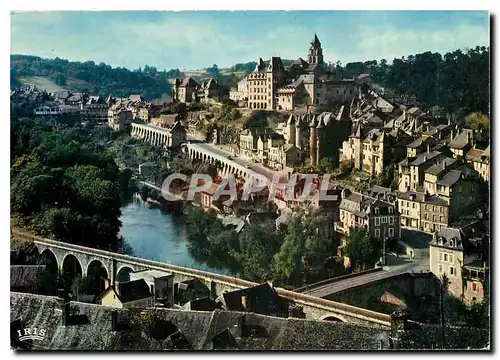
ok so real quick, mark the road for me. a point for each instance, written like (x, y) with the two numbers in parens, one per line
(328, 289)
(254, 167)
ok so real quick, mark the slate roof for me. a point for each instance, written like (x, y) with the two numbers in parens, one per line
(450, 178)
(22, 276)
(424, 157)
(411, 196)
(188, 82)
(437, 200)
(440, 166)
(183, 329)
(134, 290)
(461, 140)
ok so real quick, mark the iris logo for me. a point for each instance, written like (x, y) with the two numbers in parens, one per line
(31, 334)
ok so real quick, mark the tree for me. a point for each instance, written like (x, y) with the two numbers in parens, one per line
(362, 249)
(301, 239)
(257, 245)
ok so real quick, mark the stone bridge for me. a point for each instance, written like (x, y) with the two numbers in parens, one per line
(154, 135)
(224, 162)
(116, 264)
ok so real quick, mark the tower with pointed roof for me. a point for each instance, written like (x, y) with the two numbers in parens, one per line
(312, 141)
(315, 56)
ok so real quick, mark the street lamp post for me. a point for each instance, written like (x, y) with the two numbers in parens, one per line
(306, 263)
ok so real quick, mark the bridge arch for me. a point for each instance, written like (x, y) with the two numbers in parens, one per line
(123, 273)
(50, 260)
(334, 318)
(96, 262)
(70, 264)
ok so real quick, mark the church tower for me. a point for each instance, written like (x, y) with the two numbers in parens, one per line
(315, 56)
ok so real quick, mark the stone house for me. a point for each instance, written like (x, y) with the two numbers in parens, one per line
(435, 213)
(374, 150)
(409, 206)
(462, 142)
(161, 284)
(379, 218)
(480, 161)
(411, 171)
(248, 140)
(184, 89)
(282, 156)
(119, 119)
(462, 259)
(128, 294)
(241, 93)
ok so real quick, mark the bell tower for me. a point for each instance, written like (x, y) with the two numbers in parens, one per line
(315, 56)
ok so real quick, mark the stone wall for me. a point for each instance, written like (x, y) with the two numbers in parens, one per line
(400, 289)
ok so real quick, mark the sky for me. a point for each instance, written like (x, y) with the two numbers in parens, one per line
(196, 39)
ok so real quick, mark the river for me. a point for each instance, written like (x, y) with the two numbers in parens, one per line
(155, 235)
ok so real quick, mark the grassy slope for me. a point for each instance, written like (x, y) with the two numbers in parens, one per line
(46, 83)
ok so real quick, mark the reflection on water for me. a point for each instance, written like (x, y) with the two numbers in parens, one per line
(158, 236)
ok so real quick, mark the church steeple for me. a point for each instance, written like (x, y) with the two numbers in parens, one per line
(315, 56)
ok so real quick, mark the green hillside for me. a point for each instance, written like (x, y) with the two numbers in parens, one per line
(59, 74)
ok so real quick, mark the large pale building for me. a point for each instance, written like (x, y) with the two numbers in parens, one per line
(272, 86)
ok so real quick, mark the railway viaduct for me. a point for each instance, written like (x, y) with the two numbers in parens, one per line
(116, 264)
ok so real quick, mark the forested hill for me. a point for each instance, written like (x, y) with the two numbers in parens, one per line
(100, 78)
(457, 81)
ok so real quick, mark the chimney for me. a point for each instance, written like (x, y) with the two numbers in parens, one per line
(114, 320)
(345, 193)
(63, 300)
(106, 283)
(404, 114)
(428, 148)
(117, 287)
(244, 301)
(452, 133)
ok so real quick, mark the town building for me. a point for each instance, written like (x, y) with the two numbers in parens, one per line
(128, 294)
(161, 285)
(371, 151)
(272, 86)
(357, 211)
(185, 90)
(462, 259)
(480, 161)
(119, 118)
(462, 142)
(94, 109)
(240, 95)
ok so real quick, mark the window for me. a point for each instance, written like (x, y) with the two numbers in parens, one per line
(440, 256)
(441, 218)
(445, 257)
(414, 205)
(377, 221)
(391, 219)
(452, 271)
(391, 232)
(474, 286)
(440, 269)
(384, 219)
(377, 233)
(451, 258)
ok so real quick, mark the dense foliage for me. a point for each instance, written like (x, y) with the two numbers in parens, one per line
(362, 249)
(63, 185)
(102, 79)
(458, 81)
(261, 252)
